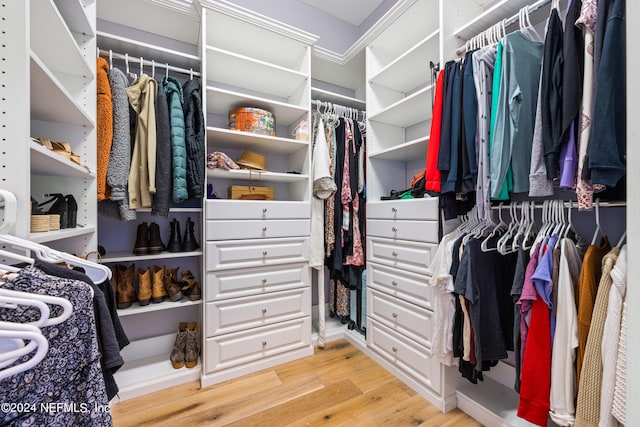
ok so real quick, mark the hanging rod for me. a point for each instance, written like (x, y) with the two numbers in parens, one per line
(146, 62)
(538, 205)
(460, 50)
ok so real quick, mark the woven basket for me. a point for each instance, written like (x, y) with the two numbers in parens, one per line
(54, 222)
(40, 223)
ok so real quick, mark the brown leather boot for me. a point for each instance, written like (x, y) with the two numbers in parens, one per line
(114, 279)
(126, 292)
(171, 284)
(141, 246)
(155, 241)
(192, 348)
(178, 352)
(158, 292)
(144, 286)
(191, 286)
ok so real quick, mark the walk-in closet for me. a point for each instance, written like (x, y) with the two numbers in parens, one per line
(380, 212)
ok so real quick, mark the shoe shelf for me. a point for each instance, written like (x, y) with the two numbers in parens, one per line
(127, 256)
(51, 236)
(164, 305)
(46, 162)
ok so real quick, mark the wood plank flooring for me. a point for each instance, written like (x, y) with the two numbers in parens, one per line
(337, 386)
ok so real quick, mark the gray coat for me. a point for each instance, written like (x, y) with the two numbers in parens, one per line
(162, 197)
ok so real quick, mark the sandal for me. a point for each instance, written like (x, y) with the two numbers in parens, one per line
(59, 207)
(61, 148)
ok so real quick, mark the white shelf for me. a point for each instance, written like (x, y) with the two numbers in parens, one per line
(410, 150)
(227, 138)
(128, 256)
(50, 101)
(411, 69)
(164, 305)
(242, 71)
(49, 29)
(137, 49)
(407, 111)
(249, 175)
(336, 98)
(46, 162)
(51, 236)
(75, 16)
(498, 11)
(221, 101)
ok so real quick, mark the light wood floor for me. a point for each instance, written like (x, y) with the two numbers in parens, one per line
(337, 386)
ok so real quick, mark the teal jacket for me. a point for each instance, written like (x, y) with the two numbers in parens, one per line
(173, 89)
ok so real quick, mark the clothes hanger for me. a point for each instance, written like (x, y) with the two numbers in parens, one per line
(12, 302)
(528, 234)
(166, 72)
(126, 64)
(500, 227)
(190, 73)
(527, 27)
(153, 69)
(67, 308)
(28, 332)
(598, 231)
(110, 59)
(623, 238)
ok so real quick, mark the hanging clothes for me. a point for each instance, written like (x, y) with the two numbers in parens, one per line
(175, 99)
(195, 135)
(104, 127)
(432, 173)
(162, 198)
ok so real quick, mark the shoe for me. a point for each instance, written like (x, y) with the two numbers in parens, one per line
(59, 207)
(192, 349)
(158, 292)
(125, 291)
(72, 207)
(144, 286)
(178, 352)
(114, 279)
(189, 243)
(155, 241)
(171, 284)
(191, 286)
(175, 241)
(142, 240)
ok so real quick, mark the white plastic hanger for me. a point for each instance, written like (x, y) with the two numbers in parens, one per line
(141, 65)
(27, 332)
(17, 348)
(12, 302)
(110, 59)
(598, 231)
(166, 70)
(623, 238)
(153, 69)
(67, 308)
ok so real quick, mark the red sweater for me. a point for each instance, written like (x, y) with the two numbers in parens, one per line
(432, 174)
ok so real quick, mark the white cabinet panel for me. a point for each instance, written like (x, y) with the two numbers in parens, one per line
(418, 209)
(228, 230)
(408, 319)
(422, 231)
(238, 348)
(265, 210)
(256, 281)
(255, 253)
(404, 353)
(412, 256)
(410, 287)
(248, 312)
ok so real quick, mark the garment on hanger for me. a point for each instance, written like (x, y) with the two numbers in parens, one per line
(162, 198)
(173, 89)
(432, 173)
(104, 127)
(195, 135)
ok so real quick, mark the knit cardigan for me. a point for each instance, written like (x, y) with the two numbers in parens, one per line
(173, 90)
(162, 198)
(194, 136)
(104, 126)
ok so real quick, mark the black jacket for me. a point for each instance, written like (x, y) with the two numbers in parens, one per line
(194, 137)
(162, 198)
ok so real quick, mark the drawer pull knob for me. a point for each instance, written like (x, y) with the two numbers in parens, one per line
(394, 349)
(264, 229)
(394, 283)
(264, 311)
(393, 229)
(394, 253)
(264, 211)
(394, 210)
(395, 315)
(264, 281)
(264, 253)
(264, 343)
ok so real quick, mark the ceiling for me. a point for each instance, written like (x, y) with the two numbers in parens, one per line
(352, 11)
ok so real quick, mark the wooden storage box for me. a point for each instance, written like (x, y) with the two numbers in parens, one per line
(250, 192)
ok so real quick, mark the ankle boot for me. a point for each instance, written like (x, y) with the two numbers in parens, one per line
(144, 286)
(142, 240)
(175, 241)
(114, 279)
(179, 346)
(126, 292)
(189, 243)
(192, 348)
(191, 286)
(171, 284)
(158, 293)
(155, 241)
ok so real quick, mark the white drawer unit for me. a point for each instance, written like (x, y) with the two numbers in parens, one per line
(402, 284)
(232, 254)
(407, 355)
(256, 229)
(256, 281)
(422, 231)
(238, 348)
(404, 255)
(257, 210)
(416, 209)
(401, 316)
(249, 312)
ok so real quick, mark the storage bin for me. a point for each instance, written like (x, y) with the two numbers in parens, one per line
(250, 192)
(254, 120)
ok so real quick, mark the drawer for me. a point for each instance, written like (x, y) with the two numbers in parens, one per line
(421, 231)
(410, 287)
(230, 254)
(249, 312)
(237, 348)
(263, 209)
(408, 319)
(256, 281)
(418, 209)
(405, 354)
(258, 229)
(403, 255)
